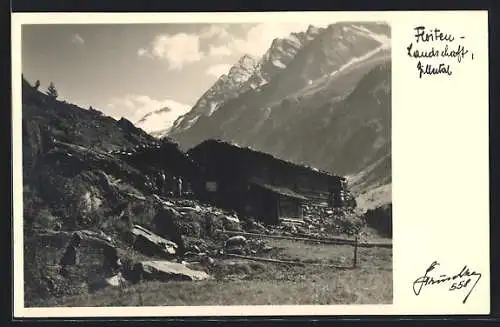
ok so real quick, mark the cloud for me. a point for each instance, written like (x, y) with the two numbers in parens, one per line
(218, 31)
(77, 39)
(143, 53)
(255, 39)
(219, 51)
(177, 49)
(218, 70)
(217, 40)
(134, 107)
(259, 37)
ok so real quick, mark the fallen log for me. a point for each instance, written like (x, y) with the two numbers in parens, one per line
(338, 241)
(287, 262)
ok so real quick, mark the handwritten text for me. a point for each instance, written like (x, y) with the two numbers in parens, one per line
(438, 45)
(462, 280)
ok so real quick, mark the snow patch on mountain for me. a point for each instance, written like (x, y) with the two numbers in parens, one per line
(362, 58)
(278, 63)
(213, 107)
(383, 39)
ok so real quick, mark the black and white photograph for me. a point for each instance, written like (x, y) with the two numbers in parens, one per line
(206, 164)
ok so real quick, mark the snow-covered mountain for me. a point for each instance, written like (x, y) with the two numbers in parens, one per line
(159, 122)
(319, 97)
(248, 73)
(278, 56)
(226, 87)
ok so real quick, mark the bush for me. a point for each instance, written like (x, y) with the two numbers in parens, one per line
(344, 222)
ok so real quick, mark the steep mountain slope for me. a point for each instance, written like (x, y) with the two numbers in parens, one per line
(79, 166)
(246, 75)
(226, 87)
(329, 108)
(278, 57)
(69, 123)
(333, 49)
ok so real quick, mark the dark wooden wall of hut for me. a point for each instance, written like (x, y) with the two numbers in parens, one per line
(234, 165)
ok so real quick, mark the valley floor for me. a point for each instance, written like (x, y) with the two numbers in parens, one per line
(244, 282)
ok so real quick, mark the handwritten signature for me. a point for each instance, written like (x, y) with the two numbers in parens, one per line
(462, 280)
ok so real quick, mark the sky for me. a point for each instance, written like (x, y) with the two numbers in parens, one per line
(128, 70)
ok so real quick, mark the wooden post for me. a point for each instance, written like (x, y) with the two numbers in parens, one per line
(355, 259)
(278, 209)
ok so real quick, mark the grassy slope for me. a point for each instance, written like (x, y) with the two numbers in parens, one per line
(265, 283)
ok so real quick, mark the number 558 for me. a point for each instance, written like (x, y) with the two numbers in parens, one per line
(459, 285)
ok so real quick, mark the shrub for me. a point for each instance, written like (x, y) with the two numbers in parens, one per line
(344, 222)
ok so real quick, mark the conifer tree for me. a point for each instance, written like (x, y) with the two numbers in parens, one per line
(52, 91)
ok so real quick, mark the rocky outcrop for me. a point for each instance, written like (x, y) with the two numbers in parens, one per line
(83, 185)
(72, 124)
(36, 142)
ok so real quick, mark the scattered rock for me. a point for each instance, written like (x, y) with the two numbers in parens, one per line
(208, 261)
(113, 281)
(166, 270)
(194, 248)
(236, 250)
(237, 240)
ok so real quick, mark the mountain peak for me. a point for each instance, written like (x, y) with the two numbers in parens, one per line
(243, 69)
(311, 29)
(247, 61)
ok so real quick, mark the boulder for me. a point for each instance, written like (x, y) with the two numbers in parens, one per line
(59, 239)
(232, 219)
(151, 244)
(231, 223)
(235, 241)
(165, 222)
(166, 270)
(113, 281)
